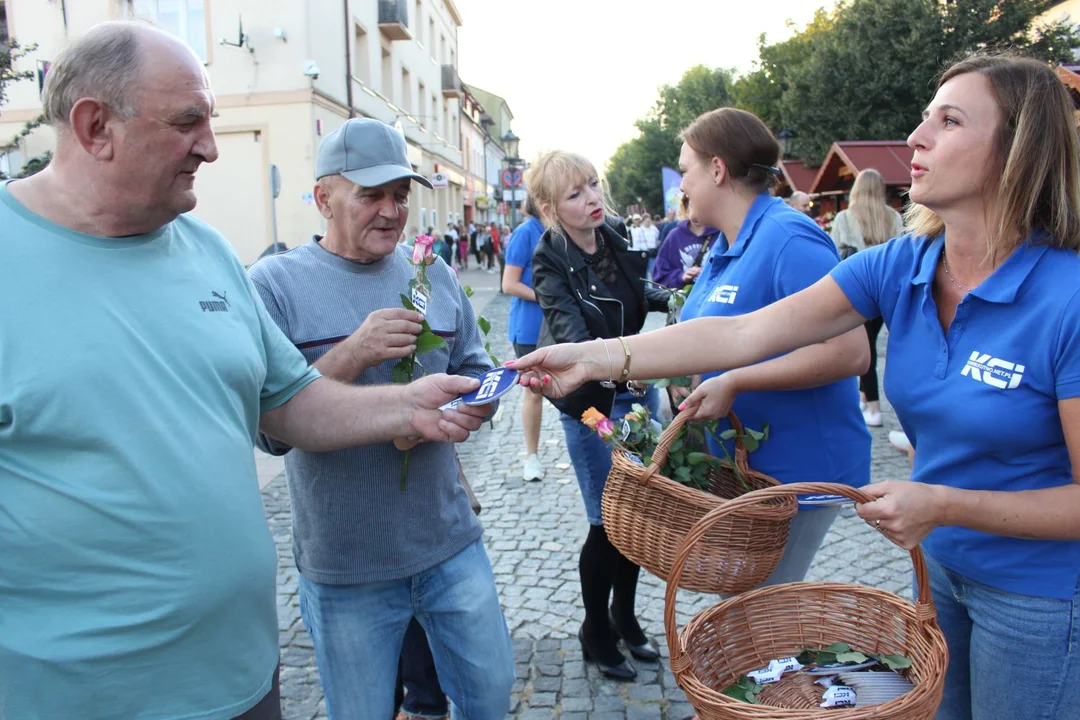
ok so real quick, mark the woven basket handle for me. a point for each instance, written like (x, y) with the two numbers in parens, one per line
(742, 461)
(926, 613)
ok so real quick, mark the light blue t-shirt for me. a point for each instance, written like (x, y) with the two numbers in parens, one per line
(979, 403)
(137, 572)
(815, 435)
(525, 316)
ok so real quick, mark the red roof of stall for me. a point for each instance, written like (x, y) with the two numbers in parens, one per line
(891, 158)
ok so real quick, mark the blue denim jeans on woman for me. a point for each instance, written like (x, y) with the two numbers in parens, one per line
(1010, 655)
(591, 456)
(357, 631)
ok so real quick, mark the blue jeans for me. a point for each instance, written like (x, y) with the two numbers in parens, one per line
(591, 456)
(1010, 655)
(358, 630)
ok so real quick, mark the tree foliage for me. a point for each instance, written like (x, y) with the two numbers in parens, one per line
(866, 70)
(634, 169)
(9, 53)
(861, 71)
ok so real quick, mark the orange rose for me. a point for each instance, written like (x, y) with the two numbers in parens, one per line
(592, 417)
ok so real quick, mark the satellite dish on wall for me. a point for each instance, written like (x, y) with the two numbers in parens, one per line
(242, 40)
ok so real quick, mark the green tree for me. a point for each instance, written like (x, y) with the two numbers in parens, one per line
(867, 70)
(9, 53)
(634, 169)
(761, 91)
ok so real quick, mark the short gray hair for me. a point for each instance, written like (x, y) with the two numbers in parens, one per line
(102, 64)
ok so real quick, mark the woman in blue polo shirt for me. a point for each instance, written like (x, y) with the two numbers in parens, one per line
(524, 326)
(766, 251)
(982, 302)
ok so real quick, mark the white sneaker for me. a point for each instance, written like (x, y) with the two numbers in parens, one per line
(873, 419)
(900, 441)
(533, 469)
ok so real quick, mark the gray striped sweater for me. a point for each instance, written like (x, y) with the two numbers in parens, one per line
(351, 522)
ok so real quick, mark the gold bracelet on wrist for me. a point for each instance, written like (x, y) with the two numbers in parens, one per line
(626, 366)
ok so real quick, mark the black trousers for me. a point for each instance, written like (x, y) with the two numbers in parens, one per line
(416, 673)
(868, 383)
(269, 708)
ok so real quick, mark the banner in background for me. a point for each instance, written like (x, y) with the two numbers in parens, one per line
(671, 179)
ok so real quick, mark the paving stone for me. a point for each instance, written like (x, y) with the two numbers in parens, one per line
(643, 712)
(547, 684)
(641, 693)
(609, 703)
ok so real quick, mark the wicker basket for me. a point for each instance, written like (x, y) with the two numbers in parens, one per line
(720, 645)
(647, 516)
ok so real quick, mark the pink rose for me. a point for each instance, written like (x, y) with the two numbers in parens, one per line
(422, 250)
(605, 429)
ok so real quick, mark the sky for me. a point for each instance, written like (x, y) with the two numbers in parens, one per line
(578, 73)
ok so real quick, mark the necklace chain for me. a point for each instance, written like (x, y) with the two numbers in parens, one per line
(948, 274)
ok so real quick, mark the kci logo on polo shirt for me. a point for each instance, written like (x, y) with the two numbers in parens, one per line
(724, 294)
(993, 371)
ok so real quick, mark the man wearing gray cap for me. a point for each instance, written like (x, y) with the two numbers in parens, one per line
(137, 571)
(371, 556)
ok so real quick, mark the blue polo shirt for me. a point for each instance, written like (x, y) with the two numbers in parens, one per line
(980, 402)
(525, 316)
(816, 435)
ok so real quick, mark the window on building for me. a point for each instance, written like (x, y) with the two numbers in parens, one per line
(406, 91)
(422, 109)
(3, 23)
(442, 46)
(435, 124)
(362, 57)
(431, 34)
(446, 119)
(11, 163)
(387, 74)
(415, 24)
(185, 19)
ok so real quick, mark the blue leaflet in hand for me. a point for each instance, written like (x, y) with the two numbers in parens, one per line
(493, 385)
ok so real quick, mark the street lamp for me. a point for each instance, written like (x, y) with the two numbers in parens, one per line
(785, 137)
(510, 143)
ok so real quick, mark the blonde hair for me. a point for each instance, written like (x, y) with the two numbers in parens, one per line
(869, 208)
(1038, 187)
(682, 208)
(550, 176)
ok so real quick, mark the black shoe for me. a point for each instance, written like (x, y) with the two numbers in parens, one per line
(644, 652)
(621, 671)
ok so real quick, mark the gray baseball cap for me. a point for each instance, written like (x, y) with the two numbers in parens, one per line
(367, 152)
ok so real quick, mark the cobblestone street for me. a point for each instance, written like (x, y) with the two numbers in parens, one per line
(533, 532)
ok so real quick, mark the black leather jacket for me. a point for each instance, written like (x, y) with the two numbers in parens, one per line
(578, 306)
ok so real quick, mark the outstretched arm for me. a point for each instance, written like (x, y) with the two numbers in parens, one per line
(814, 315)
(328, 415)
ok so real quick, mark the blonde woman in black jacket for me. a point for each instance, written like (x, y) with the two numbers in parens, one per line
(590, 285)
